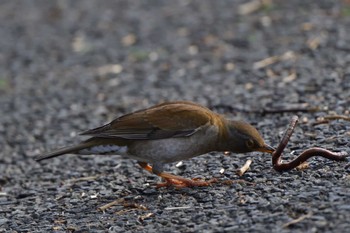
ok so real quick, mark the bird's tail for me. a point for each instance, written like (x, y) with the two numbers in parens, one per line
(93, 145)
(65, 150)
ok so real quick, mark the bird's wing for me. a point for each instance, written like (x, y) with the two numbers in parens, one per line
(174, 119)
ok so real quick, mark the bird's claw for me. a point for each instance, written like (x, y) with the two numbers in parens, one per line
(183, 183)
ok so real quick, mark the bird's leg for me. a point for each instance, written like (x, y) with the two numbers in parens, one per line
(145, 166)
(181, 182)
(173, 180)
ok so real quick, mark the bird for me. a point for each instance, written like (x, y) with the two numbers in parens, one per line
(166, 133)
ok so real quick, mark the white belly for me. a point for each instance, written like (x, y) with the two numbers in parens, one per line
(174, 149)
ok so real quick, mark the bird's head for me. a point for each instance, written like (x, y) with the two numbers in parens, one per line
(243, 137)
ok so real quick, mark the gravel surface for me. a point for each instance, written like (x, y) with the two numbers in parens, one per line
(68, 66)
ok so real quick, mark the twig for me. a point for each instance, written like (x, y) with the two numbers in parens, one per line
(123, 211)
(320, 122)
(289, 55)
(135, 205)
(265, 62)
(131, 206)
(104, 207)
(178, 208)
(337, 117)
(301, 218)
(328, 118)
(245, 167)
(145, 216)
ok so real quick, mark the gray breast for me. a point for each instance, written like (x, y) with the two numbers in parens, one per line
(104, 149)
(174, 149)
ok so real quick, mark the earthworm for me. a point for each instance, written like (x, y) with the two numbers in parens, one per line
(305, 155)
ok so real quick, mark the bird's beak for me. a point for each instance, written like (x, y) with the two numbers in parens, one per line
(267, 148)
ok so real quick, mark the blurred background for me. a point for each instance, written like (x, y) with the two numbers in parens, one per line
(67, 66)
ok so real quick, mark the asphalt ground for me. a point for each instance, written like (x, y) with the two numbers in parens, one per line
(68, 66)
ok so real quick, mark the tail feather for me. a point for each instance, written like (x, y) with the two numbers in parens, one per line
(116, 146)
(65, 150)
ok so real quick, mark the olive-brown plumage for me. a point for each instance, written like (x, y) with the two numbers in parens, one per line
(166, 133)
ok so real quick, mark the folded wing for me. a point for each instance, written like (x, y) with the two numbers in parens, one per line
(175, 119)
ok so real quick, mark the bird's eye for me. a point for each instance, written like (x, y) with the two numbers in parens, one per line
(250, 143)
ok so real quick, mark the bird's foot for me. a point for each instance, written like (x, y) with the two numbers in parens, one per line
(180, 182)
(177, 181)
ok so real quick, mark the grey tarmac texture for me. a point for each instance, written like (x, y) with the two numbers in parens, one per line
(69, 66)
